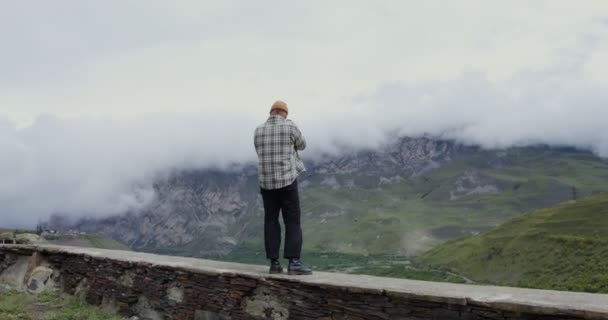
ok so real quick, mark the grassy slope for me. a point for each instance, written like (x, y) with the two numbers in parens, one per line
(564, 247)
(87, 240)
(379, 264)
(397, 220)
(27, 306)
(105, 242)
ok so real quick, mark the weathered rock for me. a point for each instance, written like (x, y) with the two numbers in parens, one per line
(82, 289)
(205, 315)
(145, 310)
(175, 293)
(266, 304)
(40, 280)
(15, 271)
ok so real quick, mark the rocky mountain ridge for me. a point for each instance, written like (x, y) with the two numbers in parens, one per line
(401, 198)
(209, 206)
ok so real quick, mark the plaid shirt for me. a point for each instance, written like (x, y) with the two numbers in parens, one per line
(277, 142)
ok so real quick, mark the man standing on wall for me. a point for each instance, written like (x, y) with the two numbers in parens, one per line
(277, 142)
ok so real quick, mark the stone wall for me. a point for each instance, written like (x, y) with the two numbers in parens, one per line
(161, 287)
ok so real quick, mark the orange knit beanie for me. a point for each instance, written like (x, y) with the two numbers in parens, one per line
(280, 105)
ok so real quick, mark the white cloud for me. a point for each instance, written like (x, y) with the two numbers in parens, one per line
(127, 57)
(127, 88)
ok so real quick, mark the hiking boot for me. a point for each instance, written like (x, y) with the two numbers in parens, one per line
(296, 267)
(275, 266)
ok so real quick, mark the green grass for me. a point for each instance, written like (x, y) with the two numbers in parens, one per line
(13, 306)
(377, 265)
(413, 273)
(48, 297)
(16, 305)
(73, 309)
(564, 247)
(96, 241)
(86, 240)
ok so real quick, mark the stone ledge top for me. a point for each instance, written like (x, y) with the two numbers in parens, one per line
(587, 305)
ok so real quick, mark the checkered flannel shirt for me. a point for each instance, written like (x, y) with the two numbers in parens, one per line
(277, 142)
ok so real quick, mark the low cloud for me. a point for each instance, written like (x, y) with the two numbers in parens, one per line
(99, 99)
(473, 110)
(104, 165)
(100, 166)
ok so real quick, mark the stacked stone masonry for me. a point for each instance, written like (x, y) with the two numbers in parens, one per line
(179, 290)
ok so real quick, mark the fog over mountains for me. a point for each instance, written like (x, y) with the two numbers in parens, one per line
(99, 100)
(105, 165)
(402, 198)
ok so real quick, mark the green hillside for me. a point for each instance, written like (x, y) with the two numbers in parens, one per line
(86, 240)
(77, 240)
(563, 247)
(417, 213)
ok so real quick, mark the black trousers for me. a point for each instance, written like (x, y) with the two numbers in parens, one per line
(287, 201)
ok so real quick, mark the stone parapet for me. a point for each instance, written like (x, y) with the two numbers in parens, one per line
(165, 287)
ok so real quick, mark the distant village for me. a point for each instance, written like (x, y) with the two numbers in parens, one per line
(13, 236)
(45, 232)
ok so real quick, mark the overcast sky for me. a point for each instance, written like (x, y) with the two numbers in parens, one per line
(96, 97)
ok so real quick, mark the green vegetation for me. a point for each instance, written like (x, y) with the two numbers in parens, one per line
(418, 213)
(413, 273)
(73, 309)
(377, 265)
(85, 240)
(375, 230)
(14, 232)
(13, 306)
(104, 242)
(371, 229)
(563, 247)
(50, 306)
(95, 241)
(68, 239)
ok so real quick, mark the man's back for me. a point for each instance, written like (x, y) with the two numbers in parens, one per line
(276, 143)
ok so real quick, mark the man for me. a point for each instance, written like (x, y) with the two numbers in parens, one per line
(277, 142)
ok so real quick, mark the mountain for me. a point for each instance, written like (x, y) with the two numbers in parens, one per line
(196, 213)
(563, 247)
(400, 199)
